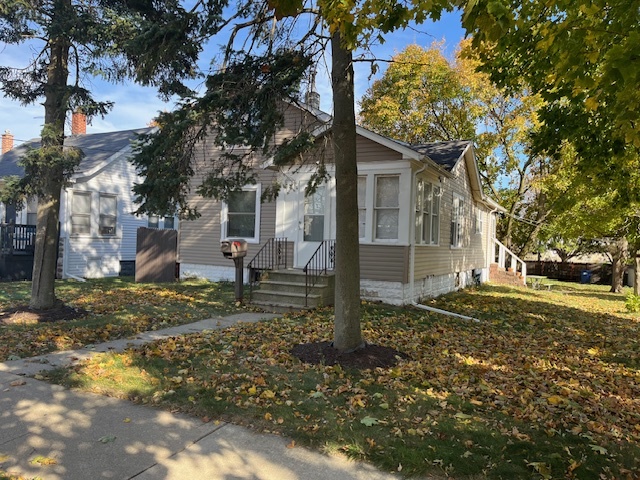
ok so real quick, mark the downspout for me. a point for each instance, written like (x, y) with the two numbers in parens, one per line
(412, 259)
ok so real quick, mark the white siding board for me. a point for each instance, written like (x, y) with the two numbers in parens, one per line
(117, 178)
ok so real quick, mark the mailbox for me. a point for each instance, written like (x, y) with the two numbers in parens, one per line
(234, 248)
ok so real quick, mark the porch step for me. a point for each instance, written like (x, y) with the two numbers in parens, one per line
(287, 288)
(293, 276)
(269, 297)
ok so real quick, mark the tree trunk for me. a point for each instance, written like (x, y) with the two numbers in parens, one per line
(347, 334)
(55, 108)
(636, 273)
(619, 256)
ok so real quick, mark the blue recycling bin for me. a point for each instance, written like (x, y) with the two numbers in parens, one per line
(586, 276)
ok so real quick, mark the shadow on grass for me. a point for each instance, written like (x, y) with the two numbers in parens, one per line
(534, 387)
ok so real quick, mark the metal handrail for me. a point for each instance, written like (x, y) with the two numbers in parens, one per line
(272, 255)
(322, 260)
(501, 259)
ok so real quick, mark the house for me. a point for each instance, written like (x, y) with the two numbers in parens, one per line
(426, 228)
(97, 224)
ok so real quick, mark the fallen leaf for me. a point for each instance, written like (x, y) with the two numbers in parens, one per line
(17, 383)
(107, 439)
(40, 460)
(542, 468)
(462, 416)
(291, 444)
(369, 421)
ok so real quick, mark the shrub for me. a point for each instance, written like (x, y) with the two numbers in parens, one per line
(632, 303)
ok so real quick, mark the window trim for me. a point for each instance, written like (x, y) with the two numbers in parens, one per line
(457, 220)
(83, 215)
(433, 213)
(363, 208)
(376, 209)
(478, 221)
(102, 195)
(224, 217)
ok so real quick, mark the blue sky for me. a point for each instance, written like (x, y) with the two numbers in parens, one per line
(135, 106)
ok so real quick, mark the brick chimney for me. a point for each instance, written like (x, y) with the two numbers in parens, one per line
(7, 141)
(78, 123)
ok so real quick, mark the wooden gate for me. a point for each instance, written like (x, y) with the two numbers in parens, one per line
(17, 244)
(156, 254)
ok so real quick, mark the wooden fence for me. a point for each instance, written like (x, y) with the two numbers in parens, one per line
(571, 272)
(156, 254)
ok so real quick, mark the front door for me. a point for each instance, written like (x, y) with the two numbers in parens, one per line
(312, 223)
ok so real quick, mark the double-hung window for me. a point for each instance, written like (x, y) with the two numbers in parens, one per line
(242, 214)
(436, 194)
(362, 206)
(81, 213)
(108, 214)
(478, 221)
(427, 214)
(457, 222)
(387, 207)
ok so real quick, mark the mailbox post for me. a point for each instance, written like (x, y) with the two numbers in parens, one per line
(236, 249)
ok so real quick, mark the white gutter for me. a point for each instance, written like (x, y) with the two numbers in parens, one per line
(444, 312)
(73, 277)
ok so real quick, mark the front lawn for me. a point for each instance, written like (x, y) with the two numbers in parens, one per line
(116, 308)
(545, 386)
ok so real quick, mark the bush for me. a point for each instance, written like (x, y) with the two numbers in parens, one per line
(632, 303)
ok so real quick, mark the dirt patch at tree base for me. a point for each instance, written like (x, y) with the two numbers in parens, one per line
(23, 315)
(370, 356)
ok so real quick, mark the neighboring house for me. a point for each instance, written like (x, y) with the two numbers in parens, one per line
(425, 226)
(97, 224)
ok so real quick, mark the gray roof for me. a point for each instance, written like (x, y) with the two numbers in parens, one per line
(97, 148)
(445, 154)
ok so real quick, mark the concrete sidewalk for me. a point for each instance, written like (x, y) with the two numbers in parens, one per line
(49, 432)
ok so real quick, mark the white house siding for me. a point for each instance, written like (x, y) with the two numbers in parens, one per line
(93, 255)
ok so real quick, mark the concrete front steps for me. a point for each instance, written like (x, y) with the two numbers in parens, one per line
(284, 290)
(501, 276)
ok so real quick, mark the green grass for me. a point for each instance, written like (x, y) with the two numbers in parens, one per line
(546, 386)
(117, 308)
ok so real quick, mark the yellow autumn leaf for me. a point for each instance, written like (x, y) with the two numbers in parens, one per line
(268, 394)
(252, 390)
(591, 103)
(555, 400)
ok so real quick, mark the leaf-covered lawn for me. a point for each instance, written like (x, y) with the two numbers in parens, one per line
(118, 308)
(546, 386)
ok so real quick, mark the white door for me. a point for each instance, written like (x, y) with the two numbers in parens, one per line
(312, 223)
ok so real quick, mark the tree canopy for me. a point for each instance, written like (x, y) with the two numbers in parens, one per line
(71, 41)
(580, 56)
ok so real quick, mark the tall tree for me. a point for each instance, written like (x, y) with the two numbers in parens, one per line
(580, 56)
(72, 40)
(423, 97)
(347, 25)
